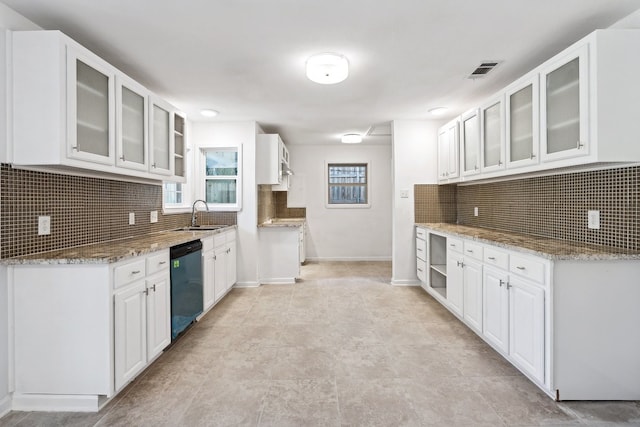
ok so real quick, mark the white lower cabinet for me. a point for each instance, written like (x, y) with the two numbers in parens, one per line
(455, 282)
(142, 315)
(219, 261)
(472, 293)
(495, 301)
(526, 326)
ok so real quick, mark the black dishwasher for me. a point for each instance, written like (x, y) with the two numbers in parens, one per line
(186, 285)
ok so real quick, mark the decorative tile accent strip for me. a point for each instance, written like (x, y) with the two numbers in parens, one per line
(556, 206)
(434, 203)
(83, 211)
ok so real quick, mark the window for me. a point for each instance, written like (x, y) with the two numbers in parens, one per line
(222, 178)
(347, 185)
(173, 193)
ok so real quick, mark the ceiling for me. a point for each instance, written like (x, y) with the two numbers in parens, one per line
(246, 58)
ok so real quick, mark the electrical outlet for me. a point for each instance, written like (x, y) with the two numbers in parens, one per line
(404, 194)
(44, 225)
(475, 211)
(153, 216)
(593, 220)
(132, 218)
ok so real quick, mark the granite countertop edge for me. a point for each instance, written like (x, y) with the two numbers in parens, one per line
(552, 249)
(116, 250)
(283, 222)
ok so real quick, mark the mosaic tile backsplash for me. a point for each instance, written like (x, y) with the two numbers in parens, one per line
(556, 206)
(434, 203)
(83, 211)
(273, 204)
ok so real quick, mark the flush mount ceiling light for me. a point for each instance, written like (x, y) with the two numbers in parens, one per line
(208, 113)
(327, 68)
(351, 138)
(438, 111)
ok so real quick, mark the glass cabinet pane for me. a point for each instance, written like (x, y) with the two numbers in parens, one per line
(521, 124)
(161, 131)
(563, 107)
(492, 138)
(471, 143)
(132, 126)
(92, 97)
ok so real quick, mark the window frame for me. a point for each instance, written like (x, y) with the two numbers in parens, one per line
(367, 184)
(203, 177)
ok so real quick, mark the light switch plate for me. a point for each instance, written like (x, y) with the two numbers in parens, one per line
(593, 220)
(475, 211)
(132, 218)
(153, 216)
(44, 225)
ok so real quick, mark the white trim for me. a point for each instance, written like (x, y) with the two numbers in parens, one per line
(247, 285)
(201, 178)
(406, 282)
(57, 403)
(278, 281)
(348, 259)
(176, 210)
(5, 406)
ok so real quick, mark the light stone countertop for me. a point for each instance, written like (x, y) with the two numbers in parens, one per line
(283, 222)
(545, 247)
(115, 250)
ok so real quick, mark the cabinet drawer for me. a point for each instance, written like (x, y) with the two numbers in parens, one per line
(157, 262)
(231, 235)
(421, 249)
(454, 244)
(207, 244)
(220, 239)
(473, 250)
(496, 258)
(421, 233)
(526, 267)
(421, 268)
(128, 273)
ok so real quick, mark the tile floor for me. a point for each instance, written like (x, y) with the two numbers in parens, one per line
(340, 348)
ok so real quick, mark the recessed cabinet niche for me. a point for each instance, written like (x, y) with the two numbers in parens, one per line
(89, 115)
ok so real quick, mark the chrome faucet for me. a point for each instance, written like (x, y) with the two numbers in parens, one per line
(193, 211)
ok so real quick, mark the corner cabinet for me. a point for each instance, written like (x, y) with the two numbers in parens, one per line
(272, 157)
(448, 152)
(90, 116)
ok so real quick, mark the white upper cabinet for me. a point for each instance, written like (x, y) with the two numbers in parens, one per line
(272, 156)
(492, 135)
(522, 122)
(578, 109)
(90, 96)
(565, 101)
(73, 110)
(161, 136)
(132, 113)
(470, 143)
(179, 148)
(448, 158)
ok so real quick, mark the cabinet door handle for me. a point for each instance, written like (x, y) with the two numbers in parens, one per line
(420, 270)
(215, 257)
(533, 156)
(580, 145)
(460, 264)
(470, 251)
(74, 148)
(492, 258)
(502, 282)
(146, 291)
(519, 267)
(420, 250)
(154, 288)
(122, 158)
(508, 285)
(153, 165)
(135, 272)
(452, 245)
(162, 262)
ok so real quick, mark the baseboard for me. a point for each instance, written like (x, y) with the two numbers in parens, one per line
(246, 284)
(5, 405)
(279, 281)
(412, 282)
(56, 403)
(347, 259)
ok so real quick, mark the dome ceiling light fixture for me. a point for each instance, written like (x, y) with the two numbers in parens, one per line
(438, 111)
(351, 138)
(327, 68)
(209, 113)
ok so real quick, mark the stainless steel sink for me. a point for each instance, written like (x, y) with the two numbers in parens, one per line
(201, 228)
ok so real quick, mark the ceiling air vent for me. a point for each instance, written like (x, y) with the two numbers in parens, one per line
(483, 69)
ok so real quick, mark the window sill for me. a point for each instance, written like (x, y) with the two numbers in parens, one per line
(347, 206)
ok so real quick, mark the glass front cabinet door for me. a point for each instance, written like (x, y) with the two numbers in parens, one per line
(470, 143)
(522, 123)
(90, 115)
(564, 106)
(492, 135)
(161, 137)
(131, 111)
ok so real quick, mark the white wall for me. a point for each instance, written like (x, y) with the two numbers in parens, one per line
(235, 134)
(345, 234)
(9, 20)
(414, 162)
